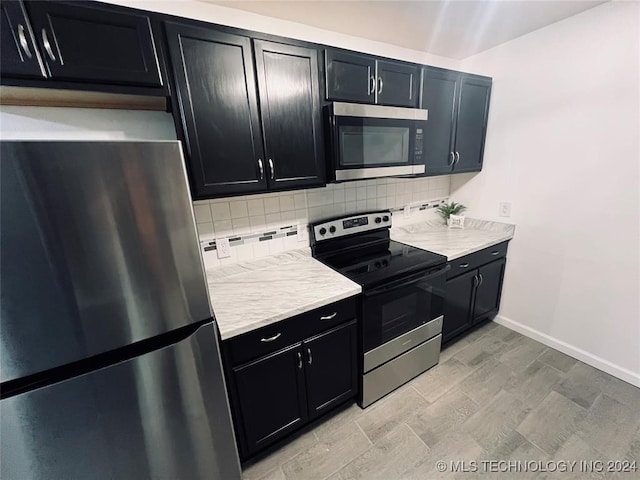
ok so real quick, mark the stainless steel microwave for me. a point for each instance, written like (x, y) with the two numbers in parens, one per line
(372, 141)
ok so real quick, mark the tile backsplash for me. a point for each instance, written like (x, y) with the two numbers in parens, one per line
(266, 224)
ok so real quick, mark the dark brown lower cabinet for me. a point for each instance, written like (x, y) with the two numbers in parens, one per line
(489, 288)
(271, 395)
(474, 295)
(330, 369)
(458, 305)
(278, 393)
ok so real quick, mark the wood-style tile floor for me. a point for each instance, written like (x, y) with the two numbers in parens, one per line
(495, 396)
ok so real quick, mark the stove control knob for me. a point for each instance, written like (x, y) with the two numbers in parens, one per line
(385, 218)
(332, 229)
(378, 220)
(323, 231)
(385, 263)
(377, 264)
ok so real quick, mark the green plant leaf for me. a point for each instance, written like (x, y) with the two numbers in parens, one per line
(453, 208)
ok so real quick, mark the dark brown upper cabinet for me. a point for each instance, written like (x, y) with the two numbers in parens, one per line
(397, 84)
(352, 77)
(471, 125)
(458, 105)
(236, 144)
(215, 84)
(19, 55)
(291, 116)
(79, 43)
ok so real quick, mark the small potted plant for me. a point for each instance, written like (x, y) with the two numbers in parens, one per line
(446, 210)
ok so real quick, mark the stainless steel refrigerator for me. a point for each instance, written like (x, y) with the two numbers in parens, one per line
(110, 365)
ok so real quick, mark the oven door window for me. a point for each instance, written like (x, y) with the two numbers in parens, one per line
(390, 313)
(366, 142)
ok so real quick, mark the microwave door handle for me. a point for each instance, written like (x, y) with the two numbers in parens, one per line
(408, 281)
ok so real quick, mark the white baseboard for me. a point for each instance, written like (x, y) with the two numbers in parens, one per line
(582, 355)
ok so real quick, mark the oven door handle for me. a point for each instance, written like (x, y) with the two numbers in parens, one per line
(405, 282)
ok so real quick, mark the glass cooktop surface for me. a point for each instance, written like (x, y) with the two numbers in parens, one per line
(369, 266)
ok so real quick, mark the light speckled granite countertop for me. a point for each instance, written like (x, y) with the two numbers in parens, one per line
(250, 295)
(435, 236)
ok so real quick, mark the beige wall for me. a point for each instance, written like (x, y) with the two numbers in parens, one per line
(562, 146)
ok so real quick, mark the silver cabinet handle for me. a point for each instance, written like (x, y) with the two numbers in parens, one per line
(481, 280)
(457, 157)
(299, 360)
(271, 339)
(309, 355)
(476, 281)
(23, 40)
(380, 85)
(464, 265)
(372, 84)
(261, 167)
(47, 45)
(273, 172)
(453, 159)
(329, 317)
(496, 252)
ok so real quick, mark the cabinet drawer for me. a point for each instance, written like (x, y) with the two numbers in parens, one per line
(278, 335)
(474, 260)
(492, 253)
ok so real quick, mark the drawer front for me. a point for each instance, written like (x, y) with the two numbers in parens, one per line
(474, 260)
(385, 379)
(492, 253)
(463, 264)
(278, 335)
(326, 317)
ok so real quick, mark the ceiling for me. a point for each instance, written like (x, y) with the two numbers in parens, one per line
(451, 28)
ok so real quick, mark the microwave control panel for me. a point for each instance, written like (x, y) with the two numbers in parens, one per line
(418, 144)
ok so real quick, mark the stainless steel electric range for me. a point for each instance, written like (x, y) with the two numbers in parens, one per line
(403, 297)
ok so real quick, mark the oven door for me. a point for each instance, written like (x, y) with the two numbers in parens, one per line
(393, 309)
(368, 146)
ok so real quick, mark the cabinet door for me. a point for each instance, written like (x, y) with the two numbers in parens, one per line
(350, 77)
(271, 397)
(489, 288)
(19, 54)
(330, 369)
(95, 44)
(397, 84)
(215, 82)
(291, 116)
(473, 111)
(439, 96)
(458, 305)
